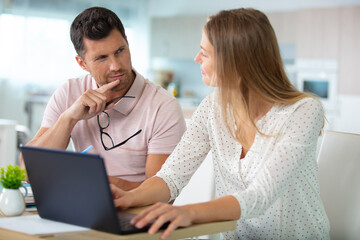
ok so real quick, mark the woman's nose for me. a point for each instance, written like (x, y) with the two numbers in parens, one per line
(197, 58)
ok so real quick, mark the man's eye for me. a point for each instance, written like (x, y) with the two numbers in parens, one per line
(100, 58)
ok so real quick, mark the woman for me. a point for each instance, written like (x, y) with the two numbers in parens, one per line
(262, 133)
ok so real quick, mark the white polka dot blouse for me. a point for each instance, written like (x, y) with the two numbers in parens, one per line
(276, 183)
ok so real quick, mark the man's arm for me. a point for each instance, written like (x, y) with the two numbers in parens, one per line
(86, 106)
(58, 136)
(153, 165)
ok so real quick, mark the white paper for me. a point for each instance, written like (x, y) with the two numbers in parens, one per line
(34, 224)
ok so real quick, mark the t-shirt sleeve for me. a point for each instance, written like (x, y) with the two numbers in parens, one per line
(168, 128)
(55, 107)
(293, 152)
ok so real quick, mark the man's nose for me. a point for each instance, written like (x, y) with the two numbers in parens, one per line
(114, 64)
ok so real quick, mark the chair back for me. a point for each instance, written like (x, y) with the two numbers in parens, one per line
(339, 176)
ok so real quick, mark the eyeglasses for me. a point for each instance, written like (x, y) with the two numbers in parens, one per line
(104, 121)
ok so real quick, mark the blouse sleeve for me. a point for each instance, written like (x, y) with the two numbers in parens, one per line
(189, 153)
(294, 150)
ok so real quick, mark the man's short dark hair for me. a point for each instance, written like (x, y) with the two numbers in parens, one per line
(94, 23)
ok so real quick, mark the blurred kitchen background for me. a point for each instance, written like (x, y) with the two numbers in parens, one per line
(319, 41)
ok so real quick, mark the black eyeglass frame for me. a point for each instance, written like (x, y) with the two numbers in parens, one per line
(108, 123)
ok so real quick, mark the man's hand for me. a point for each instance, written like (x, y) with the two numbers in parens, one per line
(90, 103)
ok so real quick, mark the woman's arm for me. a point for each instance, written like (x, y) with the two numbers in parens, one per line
(149, 192)
(178, 168)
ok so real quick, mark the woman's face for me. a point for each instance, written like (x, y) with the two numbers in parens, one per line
(205, 58)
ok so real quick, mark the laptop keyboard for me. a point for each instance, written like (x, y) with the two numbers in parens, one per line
(126, 227)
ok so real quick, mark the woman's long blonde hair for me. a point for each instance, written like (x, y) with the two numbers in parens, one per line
(247, 58)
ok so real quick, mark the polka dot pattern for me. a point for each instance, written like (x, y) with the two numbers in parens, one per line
(276, 183)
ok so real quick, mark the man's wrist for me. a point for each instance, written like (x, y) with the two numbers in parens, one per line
(66, 119)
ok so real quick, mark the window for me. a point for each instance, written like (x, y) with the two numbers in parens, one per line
(36, 50)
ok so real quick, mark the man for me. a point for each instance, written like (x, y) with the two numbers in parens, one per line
(132, 123)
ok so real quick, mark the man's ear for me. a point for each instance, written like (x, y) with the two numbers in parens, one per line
(81, 62)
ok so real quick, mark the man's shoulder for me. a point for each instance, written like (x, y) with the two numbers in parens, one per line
(81, 81)
(79, 84)
(157, 91)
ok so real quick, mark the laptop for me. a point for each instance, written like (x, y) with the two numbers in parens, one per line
(73, 187)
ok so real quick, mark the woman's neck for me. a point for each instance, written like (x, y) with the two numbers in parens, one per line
(258, 107)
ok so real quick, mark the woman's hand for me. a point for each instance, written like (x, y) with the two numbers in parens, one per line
(161, 213)
(122, 199)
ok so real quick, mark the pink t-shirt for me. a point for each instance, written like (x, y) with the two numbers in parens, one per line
(153, 110)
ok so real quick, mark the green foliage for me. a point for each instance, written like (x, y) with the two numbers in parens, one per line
(11, 177)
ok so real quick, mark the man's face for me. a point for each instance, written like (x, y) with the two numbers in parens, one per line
(107, 60)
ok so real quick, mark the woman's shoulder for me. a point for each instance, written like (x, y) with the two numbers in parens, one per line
(307, 103)
(204, 109)
(207, 101)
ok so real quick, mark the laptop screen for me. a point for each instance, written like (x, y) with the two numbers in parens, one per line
(71, 187)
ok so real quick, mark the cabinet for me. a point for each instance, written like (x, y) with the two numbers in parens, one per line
(318, 33)
(314, 31)
(322, 33)
(329, 33)
(176, 37)
(284, 24)
(349, 50)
